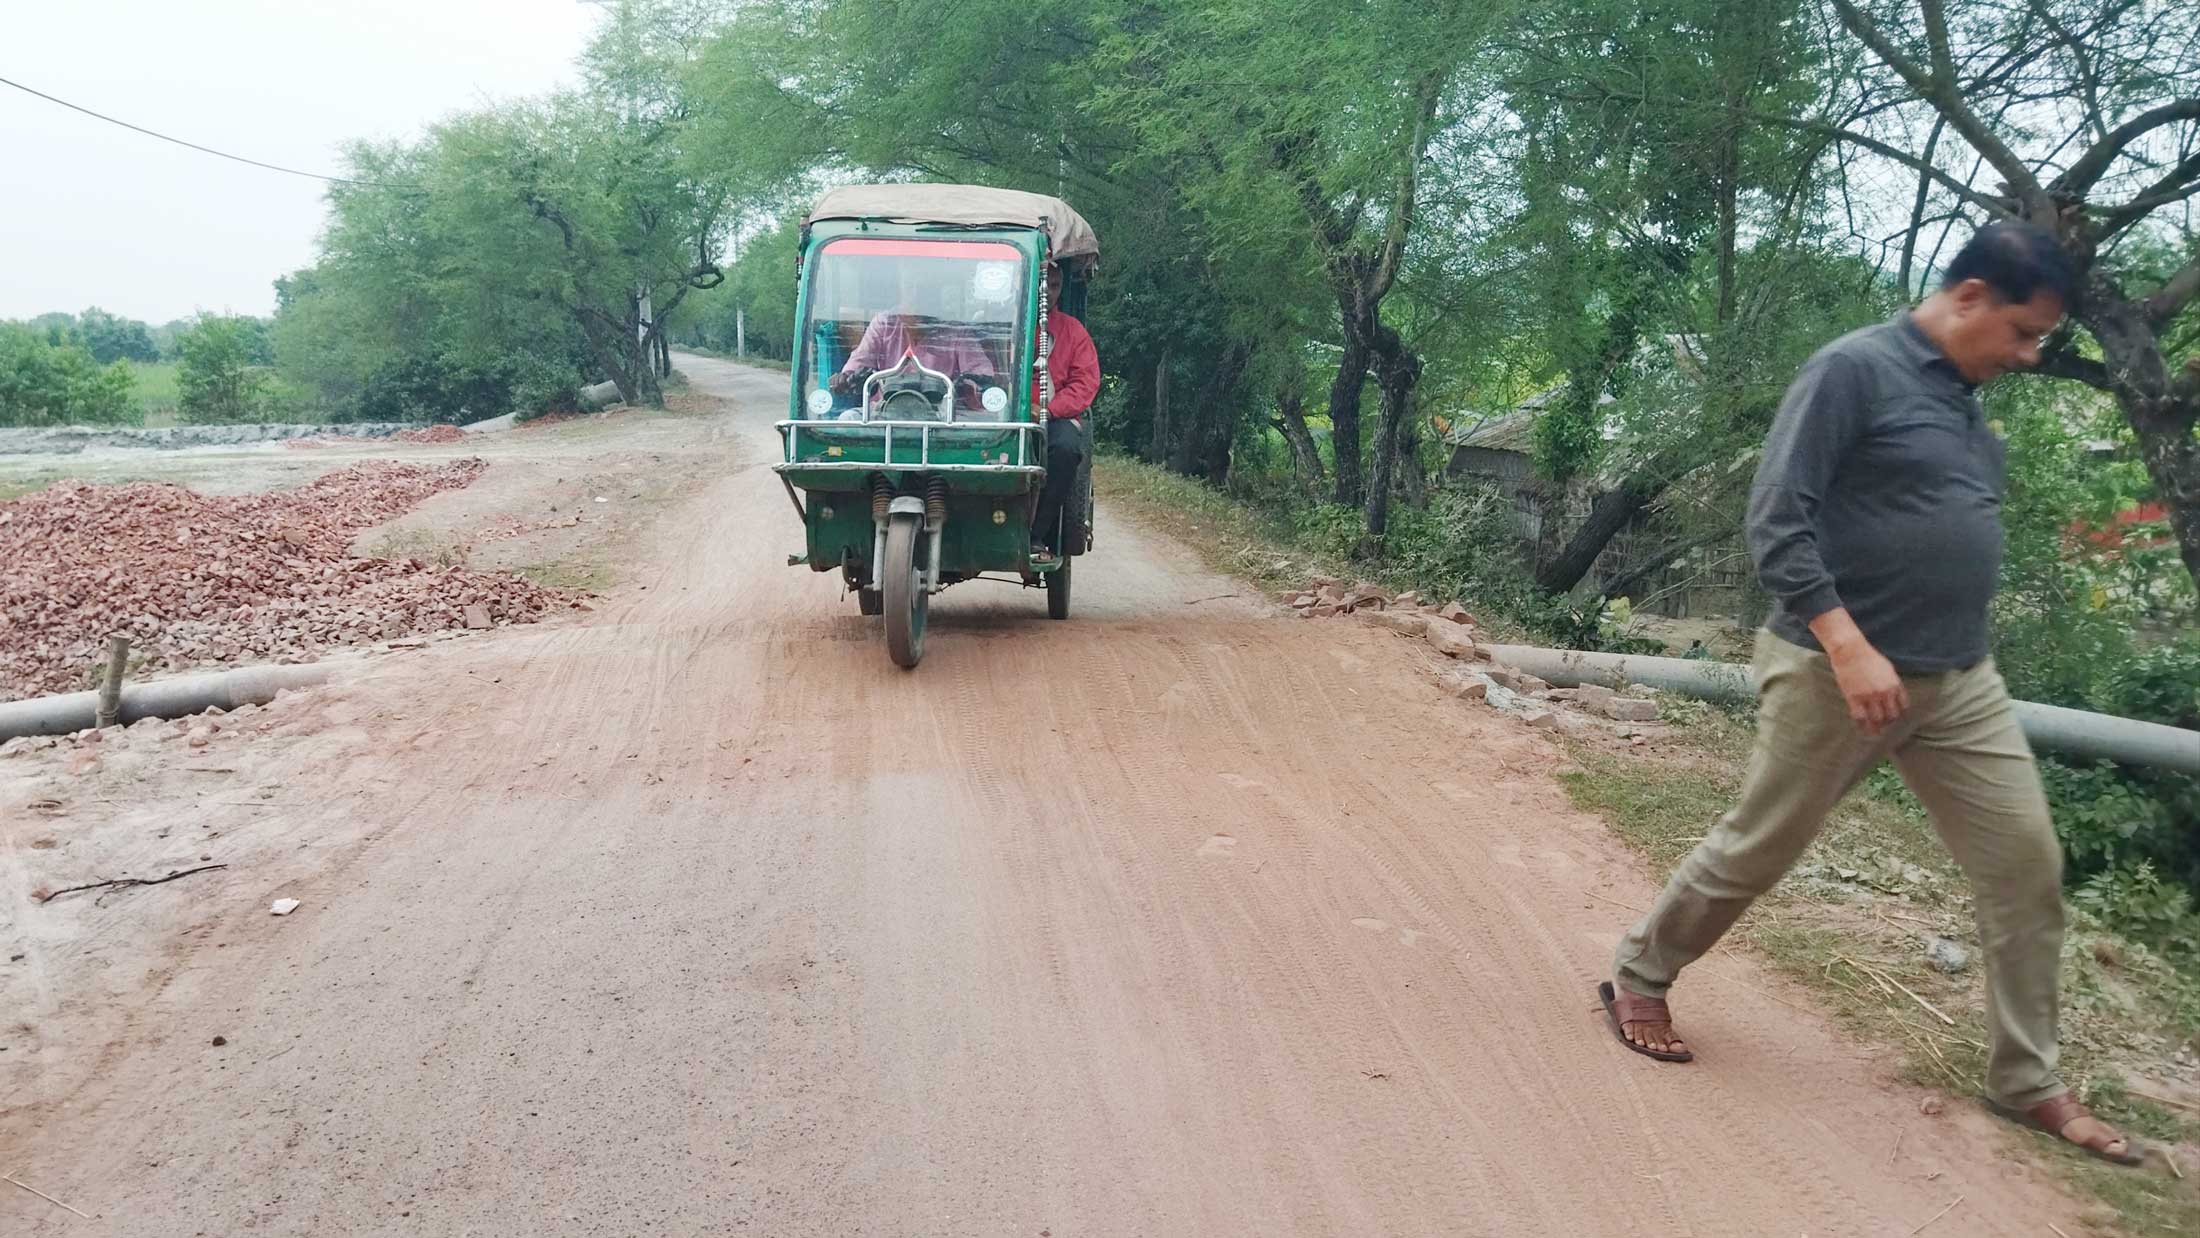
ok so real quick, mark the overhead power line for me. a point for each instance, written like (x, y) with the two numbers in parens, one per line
(272, 167)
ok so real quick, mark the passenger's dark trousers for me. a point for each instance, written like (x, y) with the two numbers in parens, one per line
(1065, 455)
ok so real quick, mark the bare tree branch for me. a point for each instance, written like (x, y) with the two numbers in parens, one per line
(2088, 82)
(1984, 201)
(2174, 295)
(1936, 39)
(2066, 363)
(1917, 206)
(1940, 91)
(2176, 185)
(2094, 163)
(1401, 210)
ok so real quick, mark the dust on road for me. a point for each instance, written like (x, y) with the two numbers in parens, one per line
(698, 916)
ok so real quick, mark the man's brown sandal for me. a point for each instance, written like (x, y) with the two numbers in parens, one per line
(2054, 1115)
(1624, 1008)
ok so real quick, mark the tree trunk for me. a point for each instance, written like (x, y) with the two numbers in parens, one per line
(1413, 479)
(2172, 458)
(1607, 517)
(1344, 421)
(1306, 454)
(609, 357)
(2161, 409)
(1203, 439)
(1730, 174)
(1397, 371)
(1160, 451)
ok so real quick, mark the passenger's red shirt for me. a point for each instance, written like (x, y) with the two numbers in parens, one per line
(1074, 364)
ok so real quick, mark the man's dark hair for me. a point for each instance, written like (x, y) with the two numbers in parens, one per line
(2017, 261)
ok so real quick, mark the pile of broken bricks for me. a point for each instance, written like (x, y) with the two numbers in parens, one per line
(198, 580)
(1478, 677)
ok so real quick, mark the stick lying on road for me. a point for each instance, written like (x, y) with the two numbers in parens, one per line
(125, 881)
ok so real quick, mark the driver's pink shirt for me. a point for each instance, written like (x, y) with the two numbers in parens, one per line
(945, 348)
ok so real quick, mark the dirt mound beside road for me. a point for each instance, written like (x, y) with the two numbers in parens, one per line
(424, 434)
(195, 579)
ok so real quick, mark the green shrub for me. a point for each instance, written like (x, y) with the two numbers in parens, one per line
(2158, 685)
(48, 384)
(439, 389)
(2135, 901)
(218, 383)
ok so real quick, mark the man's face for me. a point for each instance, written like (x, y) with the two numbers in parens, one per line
(1054, 284)
(1991, 336)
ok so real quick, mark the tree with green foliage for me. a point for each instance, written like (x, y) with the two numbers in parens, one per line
(1305, 131)
(48, 384)
(217, 382)
(477, 264)
(1641, 173)
(111, 338)
(1007, 94)
(2082, 116)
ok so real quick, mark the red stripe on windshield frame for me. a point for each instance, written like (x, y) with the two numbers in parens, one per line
(882, 247)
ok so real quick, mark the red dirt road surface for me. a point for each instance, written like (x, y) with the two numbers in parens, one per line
(695, 916)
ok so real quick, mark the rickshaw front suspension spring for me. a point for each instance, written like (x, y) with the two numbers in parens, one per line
(882, 497)
(935, 502)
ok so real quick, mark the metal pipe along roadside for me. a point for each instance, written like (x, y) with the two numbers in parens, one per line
(2071, 732)
(161, 698)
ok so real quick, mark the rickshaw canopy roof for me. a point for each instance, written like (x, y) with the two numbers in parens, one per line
(970, 206)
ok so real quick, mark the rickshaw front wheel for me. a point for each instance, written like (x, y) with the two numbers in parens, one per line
(902, 589)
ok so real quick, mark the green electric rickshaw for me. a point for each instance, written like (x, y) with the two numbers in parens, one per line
(915, 444)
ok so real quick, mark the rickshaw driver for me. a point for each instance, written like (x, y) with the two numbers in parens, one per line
(945, 347)
(1074, 364)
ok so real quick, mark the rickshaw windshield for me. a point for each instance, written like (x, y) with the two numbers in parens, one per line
(955, 305)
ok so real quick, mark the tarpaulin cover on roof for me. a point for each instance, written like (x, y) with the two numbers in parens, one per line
(973, 206)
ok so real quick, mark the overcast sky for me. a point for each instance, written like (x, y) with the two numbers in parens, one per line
(92, 214)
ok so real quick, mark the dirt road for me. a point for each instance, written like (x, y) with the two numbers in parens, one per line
(698, 917)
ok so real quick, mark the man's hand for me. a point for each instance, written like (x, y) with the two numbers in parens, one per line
(1869, 682)
(839, 383)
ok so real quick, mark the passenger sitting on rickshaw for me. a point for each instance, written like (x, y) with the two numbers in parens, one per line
(947, 347)
(1074, 365)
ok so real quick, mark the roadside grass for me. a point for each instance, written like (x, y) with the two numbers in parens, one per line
(30, 483)
(584, 575)
(1244, 541)
(422, 544)
(156, 391)
(1851, 921)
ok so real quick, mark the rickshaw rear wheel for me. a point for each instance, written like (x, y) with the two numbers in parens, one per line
(902, 590)
(1058, 590)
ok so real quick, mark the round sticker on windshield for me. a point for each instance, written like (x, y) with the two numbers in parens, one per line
(821, 402)
(994, 399)
(994, 280)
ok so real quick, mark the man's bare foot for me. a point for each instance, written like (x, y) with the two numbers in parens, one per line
(1644, 1024)
(2066, 1119)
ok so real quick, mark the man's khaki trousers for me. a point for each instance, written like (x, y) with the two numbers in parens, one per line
(1960, 751)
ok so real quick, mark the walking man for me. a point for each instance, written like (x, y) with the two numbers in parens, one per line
(1875, 523)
